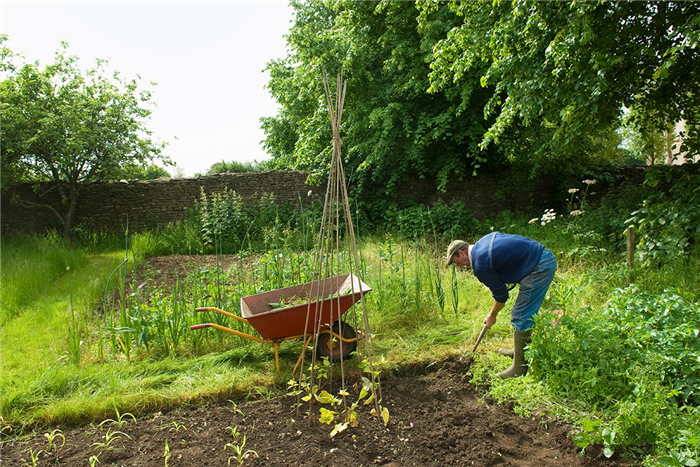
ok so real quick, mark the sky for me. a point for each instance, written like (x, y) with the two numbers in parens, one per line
(208, 59)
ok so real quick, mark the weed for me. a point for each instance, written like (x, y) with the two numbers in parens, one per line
(5, 429)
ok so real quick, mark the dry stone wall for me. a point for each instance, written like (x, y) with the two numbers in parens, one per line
(145, 204)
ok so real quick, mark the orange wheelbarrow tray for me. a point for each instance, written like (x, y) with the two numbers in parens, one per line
(323, 301)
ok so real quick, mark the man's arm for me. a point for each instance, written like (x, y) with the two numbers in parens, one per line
(490, 319)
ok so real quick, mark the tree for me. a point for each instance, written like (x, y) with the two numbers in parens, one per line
(392, 128)
(567, 69)
(68, 127)
(236, 167)
(148, 172)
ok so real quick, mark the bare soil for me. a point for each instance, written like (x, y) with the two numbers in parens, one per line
(436, 419)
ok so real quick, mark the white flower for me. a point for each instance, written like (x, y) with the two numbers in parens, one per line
(548, 216)
(573, 190)
(309, 193)
(589, 182)
(576, 212)
(533, 220)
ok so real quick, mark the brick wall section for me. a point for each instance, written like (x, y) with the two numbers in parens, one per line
(158, 202)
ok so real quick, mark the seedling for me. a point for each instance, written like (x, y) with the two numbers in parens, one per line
(166, 453)
(94, 460)
(120, 420)
(241, 452)
(177, 427)
(52, 439)
(34, 458)
(110, 437)
(235, 408)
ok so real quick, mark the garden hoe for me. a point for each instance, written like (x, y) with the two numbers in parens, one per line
(478, 340)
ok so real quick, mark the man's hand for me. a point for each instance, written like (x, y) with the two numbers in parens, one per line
(490, 320)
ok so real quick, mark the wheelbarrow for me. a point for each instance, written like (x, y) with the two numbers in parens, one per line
(290, 313)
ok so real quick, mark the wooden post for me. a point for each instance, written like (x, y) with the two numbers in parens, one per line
(630, 246)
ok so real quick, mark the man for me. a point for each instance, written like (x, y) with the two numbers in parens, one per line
(499, 259)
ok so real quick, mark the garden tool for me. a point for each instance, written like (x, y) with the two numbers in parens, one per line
(478, 340)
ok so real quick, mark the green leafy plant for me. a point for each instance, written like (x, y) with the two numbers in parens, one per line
(668, 221)
(648, 391)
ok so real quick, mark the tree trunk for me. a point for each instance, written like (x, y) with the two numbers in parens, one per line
(69, 217)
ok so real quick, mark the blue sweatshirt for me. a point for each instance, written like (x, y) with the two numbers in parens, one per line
(499, 259)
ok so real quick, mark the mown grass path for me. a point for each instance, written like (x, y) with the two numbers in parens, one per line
(37, 337)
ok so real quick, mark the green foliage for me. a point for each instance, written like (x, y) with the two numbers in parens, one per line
(236, 167)
(637, 362)
(228, 225)
(68, 126)
(393, 130)
(440, 221)
(668, 220)
(556, 70)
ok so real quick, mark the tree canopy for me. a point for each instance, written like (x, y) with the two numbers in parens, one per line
(67, 126)
(571, 67)
(440, 89)
(392, 127)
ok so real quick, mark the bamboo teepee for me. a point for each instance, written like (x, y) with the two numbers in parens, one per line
(337, 250)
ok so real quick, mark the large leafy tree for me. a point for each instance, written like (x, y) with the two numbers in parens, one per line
(392, 128)
(67, 126)
(565, 70)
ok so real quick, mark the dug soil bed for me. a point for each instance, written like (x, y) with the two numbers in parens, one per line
(436, 419)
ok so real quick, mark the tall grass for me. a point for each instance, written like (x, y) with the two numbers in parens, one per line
(29, 265)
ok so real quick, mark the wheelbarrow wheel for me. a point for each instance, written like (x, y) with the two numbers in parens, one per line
(330, 346)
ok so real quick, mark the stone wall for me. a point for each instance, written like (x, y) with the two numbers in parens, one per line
(146, 204)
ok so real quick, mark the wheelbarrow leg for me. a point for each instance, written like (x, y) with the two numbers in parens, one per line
(277, 358)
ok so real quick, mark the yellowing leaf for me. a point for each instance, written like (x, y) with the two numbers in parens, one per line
(327, 416)
(326, 398)
(340, 427)
(363, 393)
(385, 415)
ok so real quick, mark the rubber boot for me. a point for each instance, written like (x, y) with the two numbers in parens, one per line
(519, 366)
(506, 352)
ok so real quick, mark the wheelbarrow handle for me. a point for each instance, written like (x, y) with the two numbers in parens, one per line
(198, 326)
(223, 312)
